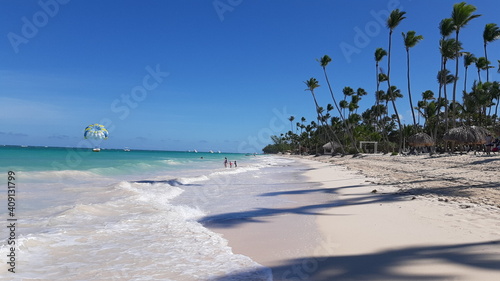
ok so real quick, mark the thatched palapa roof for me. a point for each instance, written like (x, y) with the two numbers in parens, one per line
(420, 139)
(467, 134)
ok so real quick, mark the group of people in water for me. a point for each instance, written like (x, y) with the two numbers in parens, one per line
(231, 163)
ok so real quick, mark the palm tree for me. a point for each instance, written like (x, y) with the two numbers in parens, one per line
(495, 89)
(490, 34)
(445, 29)
(392, 94)
(482, 64)
(469, 59)
(312, 84)
(448, 48)
(324, 61)
(291, 118)
(461, 15)
(393, 21)
(410, 39)
(347, 91)
(380, 53)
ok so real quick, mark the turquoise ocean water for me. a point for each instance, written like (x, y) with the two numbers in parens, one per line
(137, 215)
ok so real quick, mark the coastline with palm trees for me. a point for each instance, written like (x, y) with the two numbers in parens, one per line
(342, 123)
(426, 206)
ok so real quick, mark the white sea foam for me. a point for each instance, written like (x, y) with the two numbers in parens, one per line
(101, 225)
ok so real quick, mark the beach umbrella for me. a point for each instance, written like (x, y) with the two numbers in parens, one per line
(329, 145)
(467, 134)
(96, 132)
(420, 139)
(480, 134)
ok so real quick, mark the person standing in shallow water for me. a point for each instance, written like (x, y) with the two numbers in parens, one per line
(225, 162)
(235, 165)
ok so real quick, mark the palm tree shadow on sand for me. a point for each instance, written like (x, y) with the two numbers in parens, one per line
(233, 219)
(384, 265)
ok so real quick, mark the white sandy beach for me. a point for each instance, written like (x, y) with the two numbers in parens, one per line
(387, 218)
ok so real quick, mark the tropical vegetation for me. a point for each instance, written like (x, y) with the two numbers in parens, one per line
(341, 125)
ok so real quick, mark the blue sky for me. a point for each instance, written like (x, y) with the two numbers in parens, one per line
(221, 75)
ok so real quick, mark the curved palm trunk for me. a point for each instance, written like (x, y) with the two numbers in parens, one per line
(446, 109)
(377, 103)
(488, 65)
(349, 132)
(455, 83)
(409, 88)
(465, 79)
(390, 93)
(320, 117)
(438, 110)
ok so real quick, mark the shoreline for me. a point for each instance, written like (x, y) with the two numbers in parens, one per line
(397, 226)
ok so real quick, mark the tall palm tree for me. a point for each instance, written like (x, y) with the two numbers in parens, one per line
(392, 94)
(312, 84)
(482, 64)
(380, 53)
(393, 21)
(444, 78)
(410, 39)
(490, 34)
(448, 48)
(324, 61)
(461, 15)
(291, 118)
(445, 29)
(347, 91)
(469, 59)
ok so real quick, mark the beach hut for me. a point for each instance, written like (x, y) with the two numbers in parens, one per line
(420, 140)
(327, 147)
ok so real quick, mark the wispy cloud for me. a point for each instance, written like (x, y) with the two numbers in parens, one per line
(11, 134)
(26, 110)
(59, 137)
